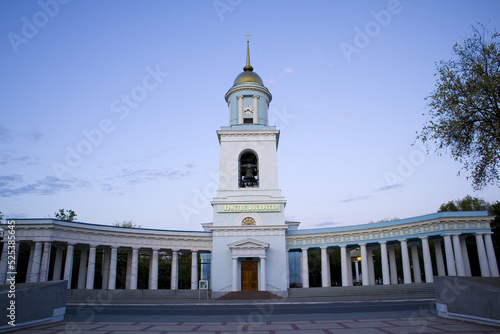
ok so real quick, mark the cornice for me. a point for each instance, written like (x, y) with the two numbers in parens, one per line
(251, 88)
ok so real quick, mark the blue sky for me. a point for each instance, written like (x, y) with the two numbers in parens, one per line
(110, 108)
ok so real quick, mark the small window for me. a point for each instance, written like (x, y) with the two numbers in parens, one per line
(248, 120)
(249, 170)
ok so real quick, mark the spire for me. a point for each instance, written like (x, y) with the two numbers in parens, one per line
(248, 67)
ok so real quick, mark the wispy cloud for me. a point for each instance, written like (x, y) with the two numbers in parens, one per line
(327, 224)
(146, 175)
(391, 187)
(14, 185)
(12, 156)
(354, 199)
(6, 135)
(35, 135)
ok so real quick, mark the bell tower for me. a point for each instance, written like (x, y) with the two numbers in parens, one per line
(248, 173)
(248, 209)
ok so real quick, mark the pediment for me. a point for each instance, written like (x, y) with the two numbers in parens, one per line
(248, 243)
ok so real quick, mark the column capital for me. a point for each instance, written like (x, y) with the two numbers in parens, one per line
(175, 250)
(93, 246)
(195, 250)
(262, 257)
(135, 248)
(362, 244)
(382, 242)
(403, 240)
(424, 237)
(446, 234)
(488, 233)
(304, 248)
(157, 249)
(479, 233)
(343, 246)
(323, 247)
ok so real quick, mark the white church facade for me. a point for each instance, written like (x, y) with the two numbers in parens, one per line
(248, 244)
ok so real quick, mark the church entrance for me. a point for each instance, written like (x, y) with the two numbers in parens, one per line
(249, 275)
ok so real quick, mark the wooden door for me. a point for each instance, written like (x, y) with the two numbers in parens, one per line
(249, 275)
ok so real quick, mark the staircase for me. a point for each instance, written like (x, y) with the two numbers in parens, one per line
(423, 290)
(246, 295)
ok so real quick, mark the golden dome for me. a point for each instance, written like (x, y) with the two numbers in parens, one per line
(248, 77)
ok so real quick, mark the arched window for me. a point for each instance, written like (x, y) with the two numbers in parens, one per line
(249, 170)
(248, 221)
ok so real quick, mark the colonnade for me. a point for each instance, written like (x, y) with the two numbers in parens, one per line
(39, 263)
(455, 249)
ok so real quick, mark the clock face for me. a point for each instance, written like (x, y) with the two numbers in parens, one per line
(248, 110)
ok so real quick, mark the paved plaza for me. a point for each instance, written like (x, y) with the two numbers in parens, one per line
(345, 326)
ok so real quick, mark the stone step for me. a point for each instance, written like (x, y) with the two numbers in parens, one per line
(245, 295)
(424, 289)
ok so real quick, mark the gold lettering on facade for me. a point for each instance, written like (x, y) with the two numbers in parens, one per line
(249, 208)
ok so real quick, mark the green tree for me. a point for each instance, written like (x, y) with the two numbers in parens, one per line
(68, 215)
(468, 203)
(126, 223)
(465, 107)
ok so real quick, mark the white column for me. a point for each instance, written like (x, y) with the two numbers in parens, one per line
(153, 277)
(393, 266)
(406, 262)
(37, 258)
(364, 265)
(30, 263)
(91, 268)
(356, 269)
(426, 252)
(324, 267)
(459, 260)
(385, 263)
(255, 110)
(135, 269)
(4, 262)
(287, 268)
(343, 265)
(481, 253)
(174, 283)
(439, 258)
(45, 263)
(68, 265)
(82, 271)
(112, 268)
(417, 275)
(465, 255)
(105, 268)
(305, 268)
(450, 258)
(263, 279)
(349, 266)
(234, 280)
(490, 252)
(371, 266)
(56, 275)
(194, 270)
(240, 109)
